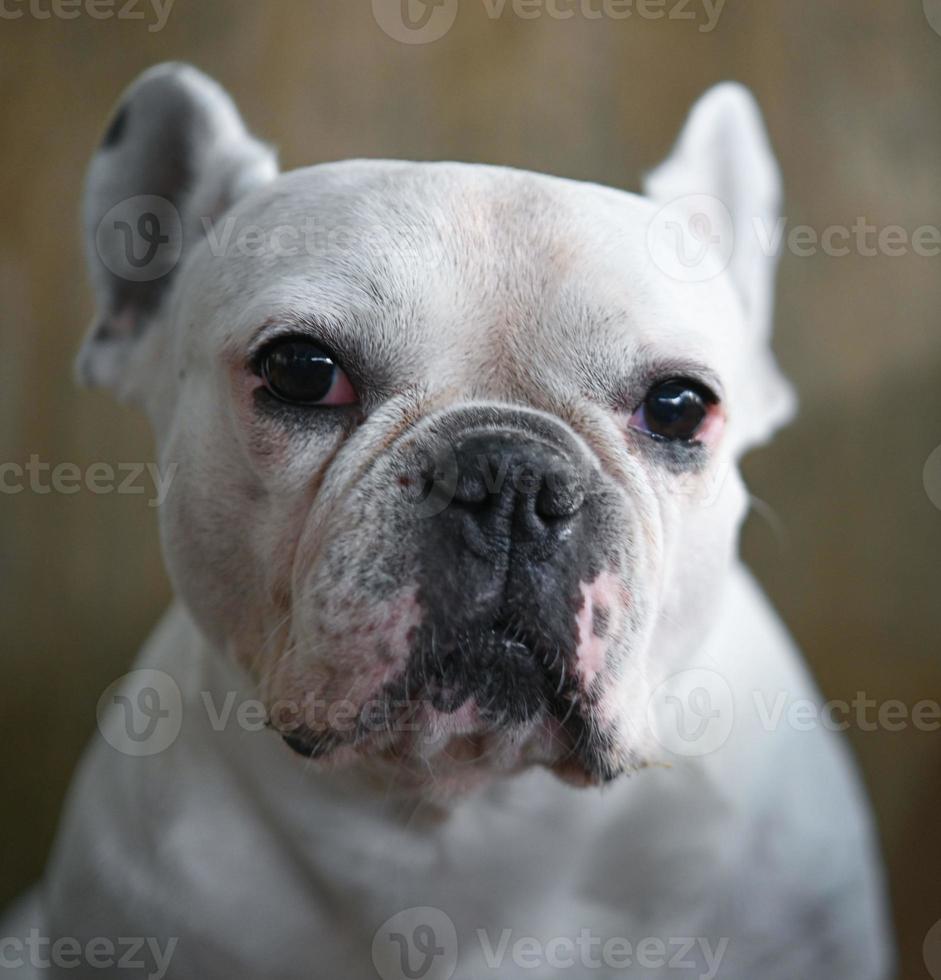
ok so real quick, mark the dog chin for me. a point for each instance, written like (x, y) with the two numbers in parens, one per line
(445, 755)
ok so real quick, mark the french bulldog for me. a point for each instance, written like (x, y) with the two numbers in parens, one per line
(465, 677)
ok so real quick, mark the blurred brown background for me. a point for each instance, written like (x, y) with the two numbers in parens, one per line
(847, 541)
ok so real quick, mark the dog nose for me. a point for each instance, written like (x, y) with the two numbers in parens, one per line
(515, 491)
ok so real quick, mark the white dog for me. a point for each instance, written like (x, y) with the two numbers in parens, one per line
(465, 678)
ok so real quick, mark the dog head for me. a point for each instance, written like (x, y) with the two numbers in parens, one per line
(456, 445)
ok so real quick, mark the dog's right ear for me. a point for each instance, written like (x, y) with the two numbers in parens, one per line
(724, 154)
(175, 156)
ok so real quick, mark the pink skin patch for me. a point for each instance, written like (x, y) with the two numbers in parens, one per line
(370, 647)
(389, 629)
(464, 721)
(606, 594)
(366, 651)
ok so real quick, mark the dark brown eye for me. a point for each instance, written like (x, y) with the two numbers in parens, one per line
(301, 373)
(674, 410)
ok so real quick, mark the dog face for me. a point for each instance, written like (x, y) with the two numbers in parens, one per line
(455, 454)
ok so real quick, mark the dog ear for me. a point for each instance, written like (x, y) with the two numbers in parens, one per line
(175, 156)
(723, 155)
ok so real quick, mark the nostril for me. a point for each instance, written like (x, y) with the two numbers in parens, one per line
(480, 482)
(561, 495)
(511, 489)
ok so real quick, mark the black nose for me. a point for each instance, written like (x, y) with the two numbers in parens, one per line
(515, 492)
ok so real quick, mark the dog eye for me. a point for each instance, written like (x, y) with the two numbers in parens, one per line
(674, 410)
(301, 373)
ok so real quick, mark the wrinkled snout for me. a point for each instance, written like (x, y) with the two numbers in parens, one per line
(498, 553)
(501, 559)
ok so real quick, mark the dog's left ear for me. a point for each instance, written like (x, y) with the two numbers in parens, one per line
(174, 158)
(724, 152)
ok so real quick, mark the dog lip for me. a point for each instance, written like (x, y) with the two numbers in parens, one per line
(298, 744)
(308, 744)
(576, 772)
(577, 776)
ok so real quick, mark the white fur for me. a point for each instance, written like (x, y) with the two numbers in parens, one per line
(260, 867)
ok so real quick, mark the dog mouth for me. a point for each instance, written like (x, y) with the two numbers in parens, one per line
(496, 697)
(501, 669)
